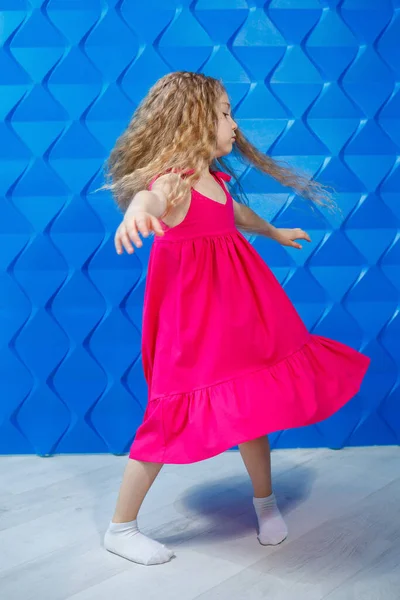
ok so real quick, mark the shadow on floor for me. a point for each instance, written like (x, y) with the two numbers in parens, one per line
(225, 509)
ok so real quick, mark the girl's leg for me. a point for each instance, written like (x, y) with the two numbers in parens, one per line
(256, 455)
(137, 480)
(123, 536)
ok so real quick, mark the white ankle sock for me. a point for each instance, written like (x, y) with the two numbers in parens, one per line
(272, 527)
(126, 540)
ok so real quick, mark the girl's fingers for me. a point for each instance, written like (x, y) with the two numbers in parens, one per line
(156, 225)
(121, 240)
(142, 225)
(303, 234)
(129, 231)
(133, 233)
(117, 241)
(126, 242)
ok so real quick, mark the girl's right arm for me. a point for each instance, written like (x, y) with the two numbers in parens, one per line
(143, 215)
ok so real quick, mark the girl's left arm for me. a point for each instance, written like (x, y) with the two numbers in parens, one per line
(247, 220)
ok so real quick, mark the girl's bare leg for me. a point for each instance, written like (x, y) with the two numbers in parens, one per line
(123, 536)
(137, 480)
(256, 455)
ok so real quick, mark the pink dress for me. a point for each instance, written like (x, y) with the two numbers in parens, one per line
(226, 356)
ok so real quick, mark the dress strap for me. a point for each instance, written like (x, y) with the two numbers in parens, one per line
(223, 175)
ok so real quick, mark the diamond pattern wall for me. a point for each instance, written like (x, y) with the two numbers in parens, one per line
(312, 82)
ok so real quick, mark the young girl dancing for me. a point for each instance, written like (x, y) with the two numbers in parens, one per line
(226, 356)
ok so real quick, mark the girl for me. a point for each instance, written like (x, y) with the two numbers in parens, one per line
(226, 357)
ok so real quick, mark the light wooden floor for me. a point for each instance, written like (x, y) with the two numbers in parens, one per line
(342, 509)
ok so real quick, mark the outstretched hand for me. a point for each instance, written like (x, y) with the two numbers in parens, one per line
(133, 224)
(287, 237)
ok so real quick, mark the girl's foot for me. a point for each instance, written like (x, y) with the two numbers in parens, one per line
(126, 540)
(272, 527)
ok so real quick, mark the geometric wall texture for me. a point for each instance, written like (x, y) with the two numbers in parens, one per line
(315, 83)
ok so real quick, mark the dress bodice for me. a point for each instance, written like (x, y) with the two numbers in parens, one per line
(205, 217)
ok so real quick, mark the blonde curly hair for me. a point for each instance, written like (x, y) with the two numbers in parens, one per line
(175, 128)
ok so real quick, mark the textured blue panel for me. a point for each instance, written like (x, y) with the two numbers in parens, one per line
(311, 81)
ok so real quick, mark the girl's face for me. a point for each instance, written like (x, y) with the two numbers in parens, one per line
(226, 127)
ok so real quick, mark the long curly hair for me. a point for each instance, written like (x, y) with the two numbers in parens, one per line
(175, 128)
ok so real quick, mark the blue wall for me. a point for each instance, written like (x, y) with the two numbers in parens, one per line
(315, 83)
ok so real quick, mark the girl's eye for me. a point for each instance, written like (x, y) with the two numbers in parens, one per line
(226, 114)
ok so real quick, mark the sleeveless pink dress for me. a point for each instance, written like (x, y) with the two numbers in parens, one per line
(226, 356)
